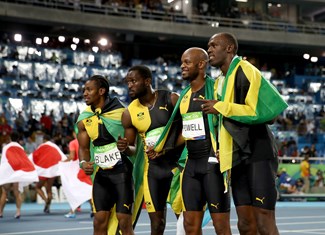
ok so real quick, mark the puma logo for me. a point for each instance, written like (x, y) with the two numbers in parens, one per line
(202, 97)
(260, 199)
(163, 107)
(215, 206)
(127, 206)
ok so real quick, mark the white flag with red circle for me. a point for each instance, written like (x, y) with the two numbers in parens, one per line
(15, 165)
(46, 159)
(77, 186)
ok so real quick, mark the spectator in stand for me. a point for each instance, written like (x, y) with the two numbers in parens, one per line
(319, 181)
(30, 145)
(5, 130)
(286, 183)
(32, 124)
(20, 123)
(305, 173)
(46, 123)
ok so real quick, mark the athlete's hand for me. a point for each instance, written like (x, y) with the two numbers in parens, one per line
(88, 167)
(122, 144)
(152, 154)
(207, 105)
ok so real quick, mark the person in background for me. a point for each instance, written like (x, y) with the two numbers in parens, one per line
(6, 188)
(246, 104)
(47, 183)
(305, 172)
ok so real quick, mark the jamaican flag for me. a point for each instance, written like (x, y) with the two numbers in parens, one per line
(261, 104)
(174, 195)
(110, 116)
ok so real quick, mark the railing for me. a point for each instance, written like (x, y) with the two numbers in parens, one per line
(316, 160)
(87, 7)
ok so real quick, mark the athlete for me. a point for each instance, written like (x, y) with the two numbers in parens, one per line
(147, 116)
(98, 129)
(246, 104)
(202, 182)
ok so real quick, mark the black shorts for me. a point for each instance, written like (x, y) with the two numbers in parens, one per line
(203, 183)
(111, 187)
(156, 185)
(254, 184)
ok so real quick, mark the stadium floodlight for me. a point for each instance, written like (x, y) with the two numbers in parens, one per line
(86, 41)
(95, 49)
(46, 39)
(17, 37)
(241, 0)
(306, 56)
(314, 59)
(170, 1)
(38, 41)
(103, 42)
(61, 38)
(75, 40)
(73, 47)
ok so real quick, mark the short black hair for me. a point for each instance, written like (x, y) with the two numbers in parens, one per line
(143, 70)
(101, 82)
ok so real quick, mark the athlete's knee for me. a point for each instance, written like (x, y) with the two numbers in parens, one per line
(246, 226)
(158, 225)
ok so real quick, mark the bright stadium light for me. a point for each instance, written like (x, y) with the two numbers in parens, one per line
(306, 56)
(17, 37)
(61, 38)
(73, 47)
(95, 49)
(314, 59)
(103, 42)
(46, 39)
(86, 41)
(38, 41)
(75, 40)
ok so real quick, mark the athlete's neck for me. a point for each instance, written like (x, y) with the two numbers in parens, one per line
(197, 83)
(149, 99)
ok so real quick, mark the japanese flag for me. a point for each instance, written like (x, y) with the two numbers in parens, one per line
(15, 166)
(77, 186)
(46, 159)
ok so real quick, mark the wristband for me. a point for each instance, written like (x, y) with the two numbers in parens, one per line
(80, 163)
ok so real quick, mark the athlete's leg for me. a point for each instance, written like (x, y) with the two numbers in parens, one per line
(3, 199)
(246, 220)
(101, 222)
(125, 223)
(18, 199)
(218, 200)
(157, 222)
(159, 178)
(193, 222)
(266, 221)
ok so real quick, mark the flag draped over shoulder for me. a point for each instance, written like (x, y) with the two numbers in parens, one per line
(15, 166)
(174, 194)
(46, 159)
(261, 105)
(112, 121)
(77, 186)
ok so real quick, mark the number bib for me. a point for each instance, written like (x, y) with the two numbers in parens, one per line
(153, 135)
(193, 126)
(107, 156)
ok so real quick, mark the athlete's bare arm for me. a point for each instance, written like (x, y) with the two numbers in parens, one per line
(84, 149)
(127, 143)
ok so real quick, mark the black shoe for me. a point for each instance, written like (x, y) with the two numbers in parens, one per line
(46, 208)
(17, 216)
(1, 216)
